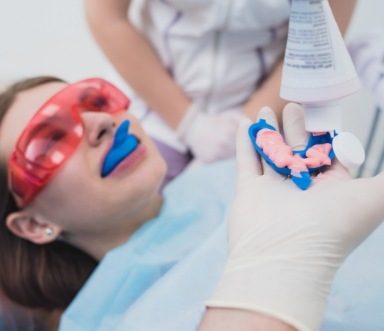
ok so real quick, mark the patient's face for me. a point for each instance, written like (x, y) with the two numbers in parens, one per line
(78, 198)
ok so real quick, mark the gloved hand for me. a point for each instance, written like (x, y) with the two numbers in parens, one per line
(286, 244)
(210, 137)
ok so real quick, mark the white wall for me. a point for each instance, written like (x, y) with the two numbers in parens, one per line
(51, 37)
(46, 37)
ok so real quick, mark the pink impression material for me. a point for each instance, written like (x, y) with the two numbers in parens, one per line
(281, 154)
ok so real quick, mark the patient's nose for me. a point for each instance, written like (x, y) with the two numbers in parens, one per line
(98, 127)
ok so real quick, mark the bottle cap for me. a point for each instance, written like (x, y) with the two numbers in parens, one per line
(323, 117)
(348, 150)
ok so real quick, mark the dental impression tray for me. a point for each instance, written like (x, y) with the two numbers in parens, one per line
(123, 145)
(299, 165)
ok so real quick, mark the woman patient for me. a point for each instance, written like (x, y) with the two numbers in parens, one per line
(83, 186)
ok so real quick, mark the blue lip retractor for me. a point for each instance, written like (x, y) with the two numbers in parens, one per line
(305, 180)
(123, 145)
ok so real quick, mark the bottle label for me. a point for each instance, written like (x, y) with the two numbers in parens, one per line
(309, 46)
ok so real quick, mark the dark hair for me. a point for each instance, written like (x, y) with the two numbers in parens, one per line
(36, 276)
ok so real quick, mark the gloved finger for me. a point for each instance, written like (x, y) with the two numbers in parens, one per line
(232, 121)
(269, 115)
(332, 176)
(236, 114)
(294, 128)
(248, 161)
(223, 146)
(338, 170)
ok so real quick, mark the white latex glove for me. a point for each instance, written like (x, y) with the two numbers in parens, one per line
(286, 244)
(210, 137)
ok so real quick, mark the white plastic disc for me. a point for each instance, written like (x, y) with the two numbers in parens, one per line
(348, 150)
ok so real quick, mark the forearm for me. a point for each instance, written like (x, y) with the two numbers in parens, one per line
(135, 60)
(217, 319)
(343, 12)
(267, 94)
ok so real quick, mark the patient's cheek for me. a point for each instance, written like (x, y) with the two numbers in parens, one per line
(273, 145)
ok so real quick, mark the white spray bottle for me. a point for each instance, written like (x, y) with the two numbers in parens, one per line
(318, 73)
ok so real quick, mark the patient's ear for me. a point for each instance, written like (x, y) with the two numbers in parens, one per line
(23, 225)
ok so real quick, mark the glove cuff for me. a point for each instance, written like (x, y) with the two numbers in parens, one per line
(284, 290)
(192, 113)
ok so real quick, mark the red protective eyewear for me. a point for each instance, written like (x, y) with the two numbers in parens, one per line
(54, 133)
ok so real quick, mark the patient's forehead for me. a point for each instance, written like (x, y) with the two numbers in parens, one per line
(20, 113)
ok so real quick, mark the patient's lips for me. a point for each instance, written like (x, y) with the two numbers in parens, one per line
(125, 152)
(131, 160)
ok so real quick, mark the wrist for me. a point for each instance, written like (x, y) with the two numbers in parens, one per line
(217, 319)
(292, 289)
(190, 117)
